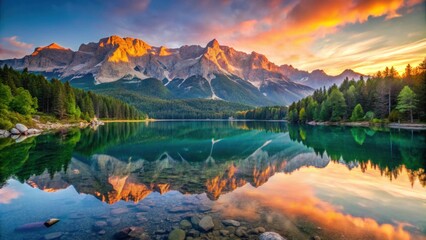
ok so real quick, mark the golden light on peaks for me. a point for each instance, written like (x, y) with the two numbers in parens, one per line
(125, 48)
(163, 52)
(118, 55)
(52, 46)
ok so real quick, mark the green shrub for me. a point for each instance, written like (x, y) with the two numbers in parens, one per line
(376, 120)
(5, 124)
(369, 116)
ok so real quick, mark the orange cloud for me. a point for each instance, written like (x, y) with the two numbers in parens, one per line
(290, 32)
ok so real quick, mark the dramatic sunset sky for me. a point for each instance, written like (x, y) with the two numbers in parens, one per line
(365, 35)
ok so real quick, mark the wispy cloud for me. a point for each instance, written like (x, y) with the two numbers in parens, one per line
(286, 31)
(11, 47)
(367, 56)
(16, 43)
(283, 30)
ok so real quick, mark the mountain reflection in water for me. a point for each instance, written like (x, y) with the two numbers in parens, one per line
(340, 178)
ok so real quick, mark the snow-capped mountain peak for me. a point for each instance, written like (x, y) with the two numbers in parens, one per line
(114, 58)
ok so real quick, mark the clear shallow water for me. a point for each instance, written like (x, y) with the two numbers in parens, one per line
(334, 182)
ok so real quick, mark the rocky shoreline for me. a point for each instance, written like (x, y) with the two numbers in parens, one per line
(195, 228)
(21, 132)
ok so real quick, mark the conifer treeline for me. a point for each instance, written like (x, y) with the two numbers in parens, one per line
(376, 98)
(64, 101)
(264, 113)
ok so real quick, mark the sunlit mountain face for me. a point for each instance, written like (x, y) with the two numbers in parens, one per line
(256, 172)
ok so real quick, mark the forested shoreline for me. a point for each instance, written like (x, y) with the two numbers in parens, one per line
(23, 94)
(382, 98)
(264, 113)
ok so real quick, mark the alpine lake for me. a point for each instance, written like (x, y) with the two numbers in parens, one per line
(145, 180)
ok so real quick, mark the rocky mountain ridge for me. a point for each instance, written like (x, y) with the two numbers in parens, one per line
(215, 70)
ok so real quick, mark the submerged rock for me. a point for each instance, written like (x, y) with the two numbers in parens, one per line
(114, 222)
(51, 222)
(185, 224)
(138, 233)
(54, 235)
(132, 233)
(99, 225)
(119, 211)
(193, 233)
(241, 232)
(37, 225)
(230, 222)
(271, 236)
(122, 234)
(195, 220)
(177, 234)
(206, 223)
(30, 227)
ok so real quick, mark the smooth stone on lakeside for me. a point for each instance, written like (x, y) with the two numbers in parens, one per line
(4, 132)
(15, 131)
(21, 128)
(21, 138)
(271, 236)
(32, 131)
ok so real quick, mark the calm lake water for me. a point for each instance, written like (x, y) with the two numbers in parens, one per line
(331, 182)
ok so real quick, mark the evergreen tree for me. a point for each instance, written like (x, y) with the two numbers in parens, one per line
(5, 96)
(357, 113)
(408, 73)
(422, 90)
(59, 99)
(407, 101)
(325, 112)
(70, 103)
(337, 104)
(350, 97)
(302, 115)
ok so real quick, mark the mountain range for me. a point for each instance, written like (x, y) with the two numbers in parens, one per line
(212, 72)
